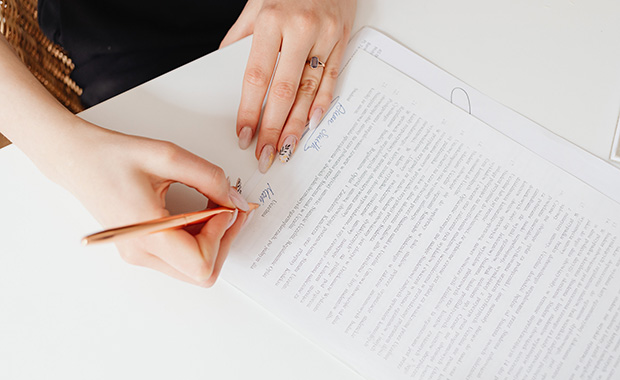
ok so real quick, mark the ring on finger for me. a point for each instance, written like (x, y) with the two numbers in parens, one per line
(315, 62)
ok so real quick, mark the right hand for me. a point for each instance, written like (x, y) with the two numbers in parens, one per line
(120, 179)
(123, 180)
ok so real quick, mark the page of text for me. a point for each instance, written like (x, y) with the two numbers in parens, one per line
(413, 241)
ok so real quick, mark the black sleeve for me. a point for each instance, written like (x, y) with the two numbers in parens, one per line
(117, 45)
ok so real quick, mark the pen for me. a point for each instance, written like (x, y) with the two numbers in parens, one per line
(157, 225)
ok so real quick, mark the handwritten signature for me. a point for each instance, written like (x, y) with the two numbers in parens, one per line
(317, 136)
(338, 111)
(266, 194)
(314, 141)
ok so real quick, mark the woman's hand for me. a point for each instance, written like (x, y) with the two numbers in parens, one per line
(123, 179)
(298, 30)
(120, 179)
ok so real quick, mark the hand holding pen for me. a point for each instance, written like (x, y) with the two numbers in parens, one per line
(123, 180)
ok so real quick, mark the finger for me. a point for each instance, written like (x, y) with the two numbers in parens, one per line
(225, 245)
(181, 251)
(325, 93)
(296, 122)
(258, 72)
(176, 248)
(153, 262)
(243, 26)
(209, 239)
(280, 99)
(236, 33)
(177, 164)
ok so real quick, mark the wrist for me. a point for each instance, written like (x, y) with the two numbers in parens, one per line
(63, 146)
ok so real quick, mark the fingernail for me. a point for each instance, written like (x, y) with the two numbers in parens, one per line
(233, 219)
(247, 220)
(238, 200)
(238, 185)
(288, 148)
(316, 118)
(245, 137)
(266, 158)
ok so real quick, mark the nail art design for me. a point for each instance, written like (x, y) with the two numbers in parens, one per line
(238, 186)
(288, 148)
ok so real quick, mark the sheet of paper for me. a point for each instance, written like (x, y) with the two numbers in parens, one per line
(585, 166)
(411, 240)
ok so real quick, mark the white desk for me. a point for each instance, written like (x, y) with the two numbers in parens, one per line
(74, 313)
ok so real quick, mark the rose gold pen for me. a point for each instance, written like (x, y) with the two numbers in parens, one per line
(157, 225)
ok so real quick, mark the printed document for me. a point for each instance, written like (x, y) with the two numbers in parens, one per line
(413, 241)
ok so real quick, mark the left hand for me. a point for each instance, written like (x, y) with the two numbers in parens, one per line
(298, 30)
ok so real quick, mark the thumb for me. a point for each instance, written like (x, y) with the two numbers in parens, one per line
(238, 31)
(244, 26)
(182, 166)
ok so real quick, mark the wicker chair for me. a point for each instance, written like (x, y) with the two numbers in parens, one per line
(48, 62)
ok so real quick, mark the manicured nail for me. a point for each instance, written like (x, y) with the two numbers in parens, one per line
(238, 185)
(316, 118)
(238, 200)
(233, 219)
(247, 220)
(288, 148)
(245, 137)
(266, 158)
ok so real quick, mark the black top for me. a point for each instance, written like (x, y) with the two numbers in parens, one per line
(117, 45)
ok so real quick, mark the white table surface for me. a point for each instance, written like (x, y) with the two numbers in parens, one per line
(68, 312)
